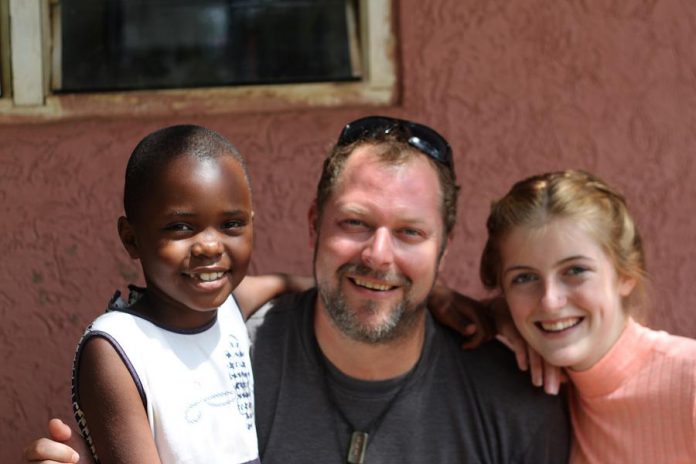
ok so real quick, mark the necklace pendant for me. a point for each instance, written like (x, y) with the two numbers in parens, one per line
(357, 448)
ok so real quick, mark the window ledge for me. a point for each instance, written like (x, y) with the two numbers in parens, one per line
(201, 101)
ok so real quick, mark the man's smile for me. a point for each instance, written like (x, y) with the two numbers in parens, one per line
(371, 285)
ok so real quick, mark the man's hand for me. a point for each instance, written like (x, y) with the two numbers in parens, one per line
(465, 315)
(57, 448)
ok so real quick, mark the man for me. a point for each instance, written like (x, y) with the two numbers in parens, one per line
(356, 370)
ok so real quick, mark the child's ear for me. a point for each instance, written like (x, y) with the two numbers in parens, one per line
(127, 235)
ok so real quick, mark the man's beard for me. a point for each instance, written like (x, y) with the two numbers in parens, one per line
(400, 319)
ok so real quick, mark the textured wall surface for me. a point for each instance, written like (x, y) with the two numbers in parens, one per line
(518, 88)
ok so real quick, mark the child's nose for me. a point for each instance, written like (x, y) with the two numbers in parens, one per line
(207, 246)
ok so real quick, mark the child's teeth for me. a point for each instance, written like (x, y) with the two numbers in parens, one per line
(210, 276)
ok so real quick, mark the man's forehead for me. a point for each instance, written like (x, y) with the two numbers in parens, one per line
(370, 159)
(409, 189)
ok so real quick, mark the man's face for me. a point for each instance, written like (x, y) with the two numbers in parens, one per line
(378, 246)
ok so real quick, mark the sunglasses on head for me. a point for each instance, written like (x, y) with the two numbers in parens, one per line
(421, 137)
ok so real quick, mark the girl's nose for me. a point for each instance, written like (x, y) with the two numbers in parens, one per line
(554, 296)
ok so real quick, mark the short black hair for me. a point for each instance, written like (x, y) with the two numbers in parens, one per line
(165, 145)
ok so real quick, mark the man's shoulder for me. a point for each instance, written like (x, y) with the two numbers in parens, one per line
(491, 370)
(279, 314)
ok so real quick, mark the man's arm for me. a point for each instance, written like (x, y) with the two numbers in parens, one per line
(255, 291)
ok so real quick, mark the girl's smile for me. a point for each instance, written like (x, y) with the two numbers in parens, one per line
(563, 292)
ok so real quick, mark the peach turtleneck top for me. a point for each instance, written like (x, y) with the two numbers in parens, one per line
(638, 403)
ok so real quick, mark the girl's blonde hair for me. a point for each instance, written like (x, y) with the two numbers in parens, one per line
(578, 195)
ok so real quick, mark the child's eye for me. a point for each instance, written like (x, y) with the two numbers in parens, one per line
(234, 224)
(178, 227)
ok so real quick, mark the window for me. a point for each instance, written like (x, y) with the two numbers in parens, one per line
(105, 57)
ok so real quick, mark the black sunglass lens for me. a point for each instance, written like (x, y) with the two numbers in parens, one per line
(419, 136)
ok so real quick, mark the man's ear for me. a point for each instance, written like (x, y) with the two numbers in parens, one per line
(128, 239)
(313, 218)
(445, 248)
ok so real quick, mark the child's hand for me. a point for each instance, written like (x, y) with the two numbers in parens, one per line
(543, 373)
(461, 313)
(57, 448)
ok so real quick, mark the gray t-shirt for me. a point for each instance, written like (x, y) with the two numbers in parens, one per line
(455, 406)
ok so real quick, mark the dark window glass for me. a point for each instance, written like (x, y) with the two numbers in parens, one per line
(139, 44)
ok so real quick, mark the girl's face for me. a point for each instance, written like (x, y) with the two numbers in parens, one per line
(563, 292)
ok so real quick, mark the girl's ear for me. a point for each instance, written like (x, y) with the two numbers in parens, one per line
(128, 238)
(626, 285)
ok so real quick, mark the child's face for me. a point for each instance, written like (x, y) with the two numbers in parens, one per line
(563, 292)
(193, 236)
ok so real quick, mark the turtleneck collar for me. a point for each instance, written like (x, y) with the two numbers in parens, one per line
(609, 372)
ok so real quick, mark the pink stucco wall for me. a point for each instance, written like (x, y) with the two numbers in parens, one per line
(518, 87)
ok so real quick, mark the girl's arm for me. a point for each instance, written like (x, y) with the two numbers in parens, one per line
(114, 411)
(254, 291)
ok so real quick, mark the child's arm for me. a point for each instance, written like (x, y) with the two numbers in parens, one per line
(479, 321)
(465, 315)
(254, 291)
(112, 406)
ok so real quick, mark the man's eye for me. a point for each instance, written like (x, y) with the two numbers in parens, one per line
(353, 223)
(410, 233)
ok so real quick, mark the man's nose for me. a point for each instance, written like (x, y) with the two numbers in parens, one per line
(379, 251)
(554, 296)
(207, 244)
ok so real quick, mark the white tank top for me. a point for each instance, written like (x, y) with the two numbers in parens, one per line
(197, 386)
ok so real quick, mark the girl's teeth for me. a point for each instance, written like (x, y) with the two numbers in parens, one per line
(372, 285)
(557, 326)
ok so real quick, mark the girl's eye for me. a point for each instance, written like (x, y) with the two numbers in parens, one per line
(576, 270)
(522, 278)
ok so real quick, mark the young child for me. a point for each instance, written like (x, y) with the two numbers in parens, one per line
(565, 252)
(165, 376)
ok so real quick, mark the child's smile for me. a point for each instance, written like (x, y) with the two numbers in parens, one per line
(193, 236)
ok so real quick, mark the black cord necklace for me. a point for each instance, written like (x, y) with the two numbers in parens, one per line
(359, 437)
